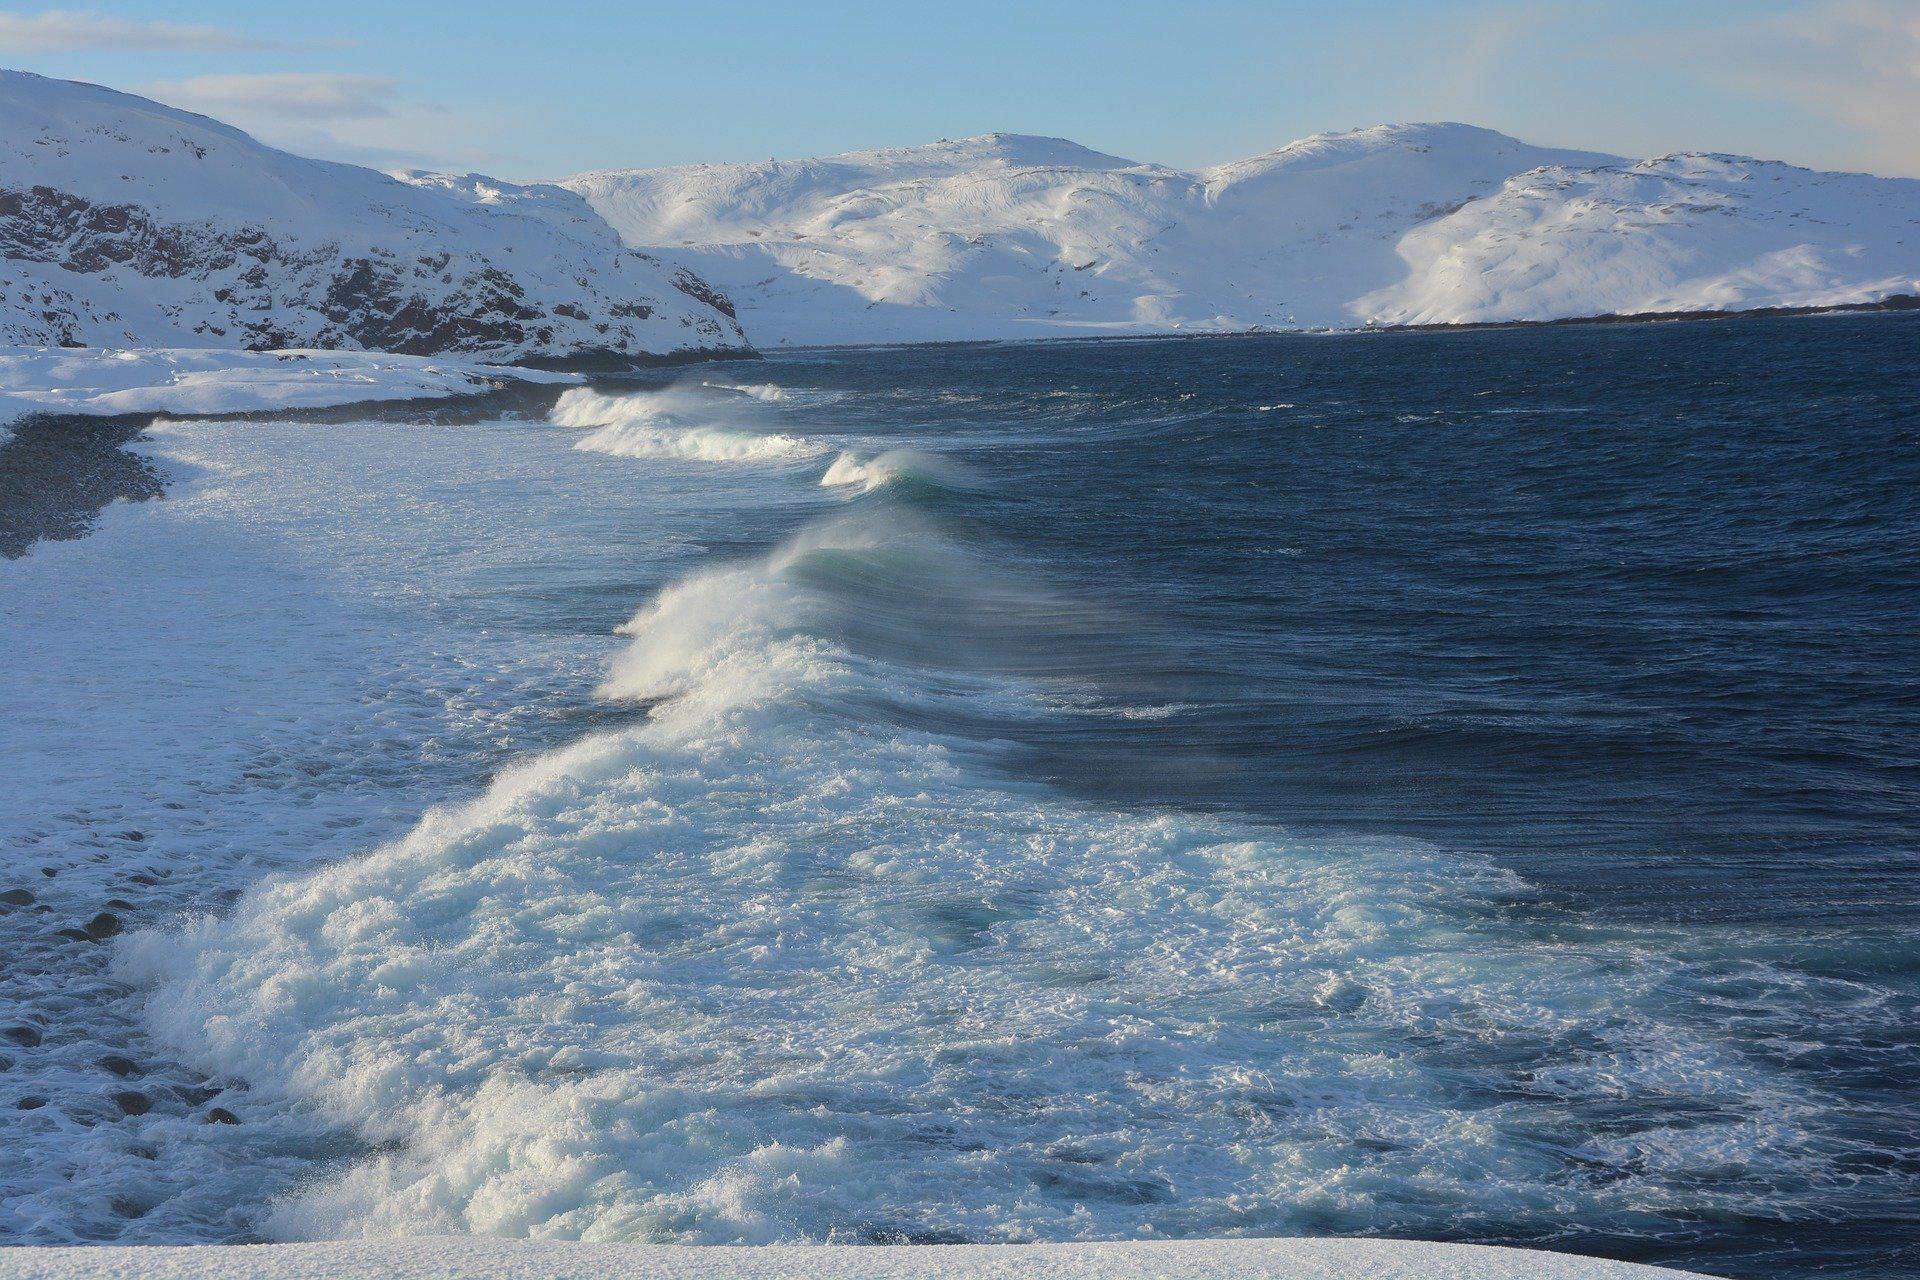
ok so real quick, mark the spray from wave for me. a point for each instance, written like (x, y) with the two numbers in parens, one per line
(863, 473)
(674, 423)
(765, 391)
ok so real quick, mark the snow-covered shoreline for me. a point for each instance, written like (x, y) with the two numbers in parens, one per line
(99, 381)
(437, 1259)
(86, 404)
(1893, 304)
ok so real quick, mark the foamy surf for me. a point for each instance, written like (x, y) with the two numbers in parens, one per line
(676, 423)
(763, 391)
(780, 964)
(863, 473)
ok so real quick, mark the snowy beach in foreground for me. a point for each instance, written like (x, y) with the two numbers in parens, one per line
(442, 1259)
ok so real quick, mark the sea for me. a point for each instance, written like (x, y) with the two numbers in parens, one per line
(1451, 785)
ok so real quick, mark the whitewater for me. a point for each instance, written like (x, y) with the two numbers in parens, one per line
(629, 823)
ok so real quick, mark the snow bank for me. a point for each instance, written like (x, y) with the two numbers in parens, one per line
(436, 1259)
(93, 380)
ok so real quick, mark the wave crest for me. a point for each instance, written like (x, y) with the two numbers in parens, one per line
(668, 424)
(781, 963)
(864, 473)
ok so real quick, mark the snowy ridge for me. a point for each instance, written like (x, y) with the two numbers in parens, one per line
(1007, 236)
(128, 223)
(551, 1260)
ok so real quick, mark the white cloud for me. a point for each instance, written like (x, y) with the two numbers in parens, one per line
(288, 95)
(1853, 62)
(58, 30)
(363, 119)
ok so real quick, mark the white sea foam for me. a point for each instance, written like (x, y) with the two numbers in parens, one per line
(766, 391)
(675, 423)
(864, 473)
(770, 965)
(283, 662)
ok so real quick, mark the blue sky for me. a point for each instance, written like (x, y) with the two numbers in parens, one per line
(531, 91)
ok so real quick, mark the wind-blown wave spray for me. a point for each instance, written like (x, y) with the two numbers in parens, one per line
(863, 473)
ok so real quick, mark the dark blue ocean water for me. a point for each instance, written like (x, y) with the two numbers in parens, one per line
(1640, 597)
(1630, 610)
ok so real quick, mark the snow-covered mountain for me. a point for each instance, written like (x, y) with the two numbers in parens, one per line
(1013, 236)
(1679, 233)
(127, 223)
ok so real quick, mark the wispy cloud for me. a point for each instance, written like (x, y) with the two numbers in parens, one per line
(1480, 48)
(1853, 62)
(286, 95)
(61, 30)
(364, 119)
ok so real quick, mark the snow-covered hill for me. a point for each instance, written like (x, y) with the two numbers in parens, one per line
(1012, 236)
(1679, 233)
(128, 223)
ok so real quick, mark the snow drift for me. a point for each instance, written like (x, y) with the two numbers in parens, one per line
(550, 1260)
(196, 380)
(1006, 236)
(127, 223)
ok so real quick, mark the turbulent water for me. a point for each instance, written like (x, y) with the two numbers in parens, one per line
(1453, 785)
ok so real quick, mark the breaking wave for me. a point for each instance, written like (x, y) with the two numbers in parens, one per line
(797, 956)
(766, 391)
(864, 473)
(675, 423)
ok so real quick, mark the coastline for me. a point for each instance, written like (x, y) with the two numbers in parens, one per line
(61, 466)
(1893, 303)
(59, 471)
